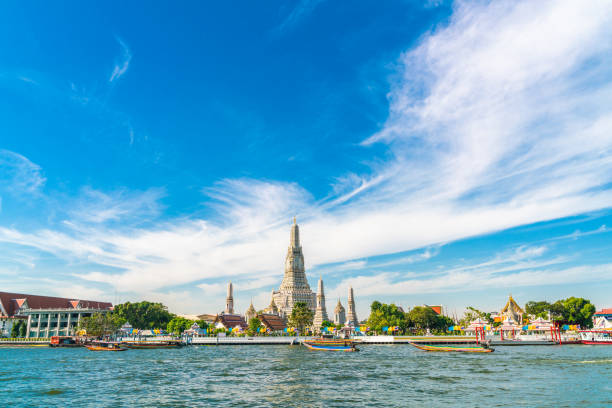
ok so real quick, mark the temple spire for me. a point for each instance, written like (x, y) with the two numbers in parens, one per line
(351, 315)
(295, 234)
(321, 311)
(229, 301)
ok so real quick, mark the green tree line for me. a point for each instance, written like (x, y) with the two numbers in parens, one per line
(418, 319)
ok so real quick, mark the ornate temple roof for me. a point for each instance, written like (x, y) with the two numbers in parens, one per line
(231, 320)
(512, 303)
(272, 322)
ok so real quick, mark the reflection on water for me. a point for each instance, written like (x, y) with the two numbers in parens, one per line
(287, 376)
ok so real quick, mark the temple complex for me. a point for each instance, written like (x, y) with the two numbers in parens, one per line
(351, 315)
(321, 312)
(339, 314)
(294, 287)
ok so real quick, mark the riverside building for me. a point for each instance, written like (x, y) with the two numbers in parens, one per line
(46, 316)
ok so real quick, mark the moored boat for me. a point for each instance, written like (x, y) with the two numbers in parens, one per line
(63, 341)
(158, 344)
(462, 348)
(596, 337)
(331, 344)
(105, 346)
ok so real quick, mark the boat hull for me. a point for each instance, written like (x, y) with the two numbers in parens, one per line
(331, 345)
(453, 348)
(596, 343)
(98, 348)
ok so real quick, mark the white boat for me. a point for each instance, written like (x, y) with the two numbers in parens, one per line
(599, 337)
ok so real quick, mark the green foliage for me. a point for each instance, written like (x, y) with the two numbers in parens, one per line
(144, 315)
(202, 324)
(254, 324)
(301, 316)
(472, 314)
(327, 323)
(178, 325)
(572, 310)
(423, 317)
(19, 329)
(538, 309)
(578, 311)
(100, 324)
(382, 315)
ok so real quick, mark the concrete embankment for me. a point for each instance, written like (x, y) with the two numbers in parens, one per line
(22, 343)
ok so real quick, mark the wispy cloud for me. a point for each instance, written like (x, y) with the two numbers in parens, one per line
(18, 174)
(94, 206)
(500, 118)
(301, 11)
(524, 266)
(123, 62)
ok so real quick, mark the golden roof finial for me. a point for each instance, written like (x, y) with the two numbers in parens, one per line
(294, 219)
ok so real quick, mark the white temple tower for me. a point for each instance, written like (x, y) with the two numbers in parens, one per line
(339, 314)
(229, 301)
(321, 312)
(351, 315)
(294, 287)
(250, 313)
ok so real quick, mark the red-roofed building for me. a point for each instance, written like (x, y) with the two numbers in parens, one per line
(438, 309)
(603, 319)
(46, 316)
(272, 322)
(226, 321)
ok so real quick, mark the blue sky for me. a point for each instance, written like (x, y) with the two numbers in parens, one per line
(434, 152)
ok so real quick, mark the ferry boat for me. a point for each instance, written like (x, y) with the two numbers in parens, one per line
(330, 344)
(596, 337)
(462, 348)
(105, 346)
(63, 341)
(157, 344)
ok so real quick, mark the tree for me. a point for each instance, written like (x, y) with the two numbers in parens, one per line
(100, 324)
(472, 314)
(382, 315)
(19, 329)
(301, 316)
(178, 325)
(144, 315)
(327, 323)
(254, 325)
(202, 324)
(572, 310)
(578, 311)
(423, 317)
(538, 309)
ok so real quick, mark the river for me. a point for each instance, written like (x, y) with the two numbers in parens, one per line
(292, 376)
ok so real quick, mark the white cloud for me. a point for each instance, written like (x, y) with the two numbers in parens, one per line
(94, 206)
(122, 65)
(501, 118)
(18, 174)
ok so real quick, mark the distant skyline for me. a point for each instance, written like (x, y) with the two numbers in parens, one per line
(433, 152)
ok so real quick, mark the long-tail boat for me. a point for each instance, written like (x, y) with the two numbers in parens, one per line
(462, 348)
(157, 344)
(331, 344)
(105, 346)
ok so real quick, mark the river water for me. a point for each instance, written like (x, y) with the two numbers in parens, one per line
(292, 376)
